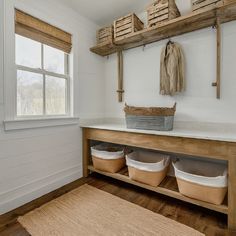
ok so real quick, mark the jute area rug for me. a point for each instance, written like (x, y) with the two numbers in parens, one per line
(88, 211)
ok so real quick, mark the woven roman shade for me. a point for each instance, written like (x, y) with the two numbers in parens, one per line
(38, 30)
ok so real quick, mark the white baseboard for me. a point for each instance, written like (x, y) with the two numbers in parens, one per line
(17, 197)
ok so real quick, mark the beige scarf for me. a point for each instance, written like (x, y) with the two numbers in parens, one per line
(172, 71)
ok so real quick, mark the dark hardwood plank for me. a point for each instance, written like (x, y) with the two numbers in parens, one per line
(201, 219)
(14, 230)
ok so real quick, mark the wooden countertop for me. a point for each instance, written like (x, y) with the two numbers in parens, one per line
(207, 131)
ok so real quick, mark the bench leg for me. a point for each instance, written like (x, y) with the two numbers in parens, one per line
(232, 192)
(86, 154)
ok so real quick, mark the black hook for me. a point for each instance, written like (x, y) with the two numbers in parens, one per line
(169, 41)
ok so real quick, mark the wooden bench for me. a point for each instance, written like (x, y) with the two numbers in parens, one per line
(216, 150)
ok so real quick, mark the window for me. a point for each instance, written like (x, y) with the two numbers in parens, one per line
(42, 62)
(38, 71)
(42, 79)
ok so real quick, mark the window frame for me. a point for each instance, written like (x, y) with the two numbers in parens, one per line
(9, 90)
(45, 73)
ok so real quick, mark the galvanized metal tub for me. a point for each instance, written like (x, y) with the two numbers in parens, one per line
(154, 118)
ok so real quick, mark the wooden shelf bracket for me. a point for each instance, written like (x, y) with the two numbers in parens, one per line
(217, 84)
(120, 90)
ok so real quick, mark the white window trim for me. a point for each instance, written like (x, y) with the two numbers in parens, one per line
(1, 52)
(11, 122)
(39, 123)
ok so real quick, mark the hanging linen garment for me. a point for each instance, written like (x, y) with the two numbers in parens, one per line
(172, 71)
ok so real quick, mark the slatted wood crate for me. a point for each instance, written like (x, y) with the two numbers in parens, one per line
(205, 4)
(127, 25)
(161, 11)
(105, 35)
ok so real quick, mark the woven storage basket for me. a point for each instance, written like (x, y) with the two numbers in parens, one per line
(147, 167)
(161, 11)
(108, 158)
(153, 118)
(205, 181)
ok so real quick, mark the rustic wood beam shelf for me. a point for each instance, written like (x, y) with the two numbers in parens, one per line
(184, 24)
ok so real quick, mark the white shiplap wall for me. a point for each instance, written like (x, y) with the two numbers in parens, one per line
(198, 103)
(35, 162)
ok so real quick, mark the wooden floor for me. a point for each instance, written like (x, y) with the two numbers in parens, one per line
(208, 222)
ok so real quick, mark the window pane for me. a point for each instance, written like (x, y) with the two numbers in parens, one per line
(55, 96)
(29, 93)
(28, 52)
(54, 60)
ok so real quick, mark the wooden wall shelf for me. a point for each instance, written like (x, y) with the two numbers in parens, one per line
(184, 24)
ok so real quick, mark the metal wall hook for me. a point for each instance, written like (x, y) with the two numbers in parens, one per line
(169, 41)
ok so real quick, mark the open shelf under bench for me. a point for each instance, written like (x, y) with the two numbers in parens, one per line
(181, 25)
(168, 187)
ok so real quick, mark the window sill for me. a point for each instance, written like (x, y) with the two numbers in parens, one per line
(39, 123)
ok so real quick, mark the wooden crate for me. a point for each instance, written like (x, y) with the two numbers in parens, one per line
(205, 4)
(161, 11)
(157, 12)
(105, 35)
(126, 26)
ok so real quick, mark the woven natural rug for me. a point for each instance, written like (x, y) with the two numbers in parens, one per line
(87, 211)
